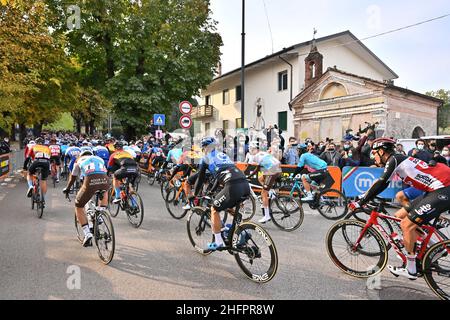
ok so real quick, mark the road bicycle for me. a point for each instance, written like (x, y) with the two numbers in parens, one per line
(359, 249)
(176, 199)
(285, 211)
(130, 202)
(37, 198)
(331, 203)
(101, 227)
(251, 245)
(54, 173)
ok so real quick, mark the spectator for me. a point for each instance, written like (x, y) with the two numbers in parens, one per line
(320, 148)
(349, 136)
(365, 149)
(331, 156)
(399, 149)
(438, 158)
(4, 146)
(350, 156)
(420, 151)
(432, 147)
(446, 154)
(290, 156)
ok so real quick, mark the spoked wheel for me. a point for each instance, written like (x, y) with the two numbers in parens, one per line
(436, 269)
(286, 213)
(332, 204)
(80, 232)
(32, 201)
(175, 201)
(363, 261)
(257, 256)
(137, 181)
(199, 230)
(151, 178)
(114, 209)
(39, 204)
(104, 237)
(248, 209)
(135, 210)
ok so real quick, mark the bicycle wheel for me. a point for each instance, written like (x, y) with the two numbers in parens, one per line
(248, 209)
(151, 178)
(39, 204)
(135, 210)
(367, 260)
(137, 181)
(79, 229)
(332, 204)
(286, 213)
(436, 269)
(199, 230)
(175, 204)
(114, 209)
(104, 237)
(165, 187)
(32, 200)
(257, 255)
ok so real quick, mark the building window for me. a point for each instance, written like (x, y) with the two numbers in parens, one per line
(225, 124)
(312, 67)
(238, 93)
(207, 127)
(208, 100)
(226, 97)
(282, 120)
(283, 81)
(238, 123)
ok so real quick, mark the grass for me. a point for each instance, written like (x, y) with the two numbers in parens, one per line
(65, 122)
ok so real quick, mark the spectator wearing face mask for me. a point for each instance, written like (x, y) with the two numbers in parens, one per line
(291, 154)
(350, 157)
(420, 151)
(4, 146)
(331, 156)
(446, 154)
(432, 146)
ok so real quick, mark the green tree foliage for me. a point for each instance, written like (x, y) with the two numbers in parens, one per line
(444, 112)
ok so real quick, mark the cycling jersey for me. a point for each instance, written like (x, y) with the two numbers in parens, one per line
(72, 154)
(158, 152)
(136, 149)
(413, 172)
(174, 155)
(86, 148)
(64, 149)
(39, 152)
(216, 161)
(267, 163)
(312, 161)
(89, 165)
(102, 152)
(116, 157)
(55, 150)
(130, 151)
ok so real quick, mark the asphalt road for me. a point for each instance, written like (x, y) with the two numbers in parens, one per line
(156, 261)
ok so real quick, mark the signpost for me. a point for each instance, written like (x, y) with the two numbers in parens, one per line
(186, 107)
(159, 119)
(185, 122)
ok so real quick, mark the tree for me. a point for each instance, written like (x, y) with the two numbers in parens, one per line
(444, 112)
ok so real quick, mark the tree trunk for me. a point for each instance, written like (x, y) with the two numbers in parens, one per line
(91, 127)
(86, 127)
(22, 134)
(12, 135)
(78, 125)
(130, 132)
(37, 128)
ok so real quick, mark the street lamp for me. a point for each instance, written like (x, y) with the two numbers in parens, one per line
(243, 68)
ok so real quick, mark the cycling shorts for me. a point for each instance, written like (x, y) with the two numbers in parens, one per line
(268, 182)
(430, 206)
(44, 164)
(130, 172)
(231, 195)
(91, 185)
(412, 193)
(56, 159)
(320, 177)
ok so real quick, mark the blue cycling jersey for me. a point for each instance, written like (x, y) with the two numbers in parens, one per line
(89, 165)
(64, 149)
(175, 154)
(73, 152)
(312, 161)
(216, 161)
(85, 148)
(102, 152)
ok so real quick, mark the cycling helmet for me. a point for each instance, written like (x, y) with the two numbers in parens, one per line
(384, 143)
(86, 153)
(32, 142)
(208, 141)
(39, 140)
(302, 147)
(118, 145)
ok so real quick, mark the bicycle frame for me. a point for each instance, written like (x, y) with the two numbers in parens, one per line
(373, 221)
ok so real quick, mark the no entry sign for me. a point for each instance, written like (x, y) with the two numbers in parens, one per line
(185, 107)
(185, 122)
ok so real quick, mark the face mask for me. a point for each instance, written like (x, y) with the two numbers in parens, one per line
(420, 147)
(346, 147)
(332, 150)
(445, 153)
(320, 145)
(350, 155)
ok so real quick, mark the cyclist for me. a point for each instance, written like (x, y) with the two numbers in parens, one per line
(157, 156)
(320, 174)
(85, 146)
(224, 172)
(434, 180)
(271, 171)
(55, 151)
(93, 170)
(102, 152)
(40, 158)
(122, 165)
(72, 154)
(27, 157)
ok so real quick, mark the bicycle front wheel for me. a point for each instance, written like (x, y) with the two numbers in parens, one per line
(104, 237)
(79, 229)
(175, 204)
(248, 209)
(257, 255)
(39, 204)
(436, 269)
(287, 213)
(199, 230)
(363, 261)
(135, 210)
(113, 208)
(332, 204)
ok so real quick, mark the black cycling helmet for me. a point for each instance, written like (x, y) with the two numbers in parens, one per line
(86, 153)
(118, 145)
(39, 140)
(208, 141)
(385, 144)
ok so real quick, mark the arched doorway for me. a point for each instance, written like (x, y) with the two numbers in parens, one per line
(418, 132)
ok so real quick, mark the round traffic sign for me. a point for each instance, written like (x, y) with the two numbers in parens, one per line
(185, 122)
(185, 107)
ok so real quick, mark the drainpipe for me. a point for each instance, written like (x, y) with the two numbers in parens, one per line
(292, 80)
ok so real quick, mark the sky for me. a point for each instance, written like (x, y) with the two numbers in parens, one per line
(419, 55)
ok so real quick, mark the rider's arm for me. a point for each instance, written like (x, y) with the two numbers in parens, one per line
(301, 165)
(382, 183)
(201, 178)
(251, 174)
(73, 176)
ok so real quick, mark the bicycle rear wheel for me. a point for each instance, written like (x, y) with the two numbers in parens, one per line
(39, 203)
(436, 269)
(135, 210)
(286, 213)
(364, 261)
(199, 230)
(104, 237)
(79, 229)
(257, 255)
(332, 204)
(248, 209)
(151, 178)
(175, 204)
(114, 209)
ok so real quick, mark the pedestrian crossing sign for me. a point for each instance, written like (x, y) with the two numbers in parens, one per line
(159, 119)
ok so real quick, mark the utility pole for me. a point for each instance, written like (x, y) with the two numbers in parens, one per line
(243, 68)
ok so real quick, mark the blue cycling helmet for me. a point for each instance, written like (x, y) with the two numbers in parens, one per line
(208, 141)
(302, 147)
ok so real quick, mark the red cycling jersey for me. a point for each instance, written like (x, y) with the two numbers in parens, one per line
(55, 150)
